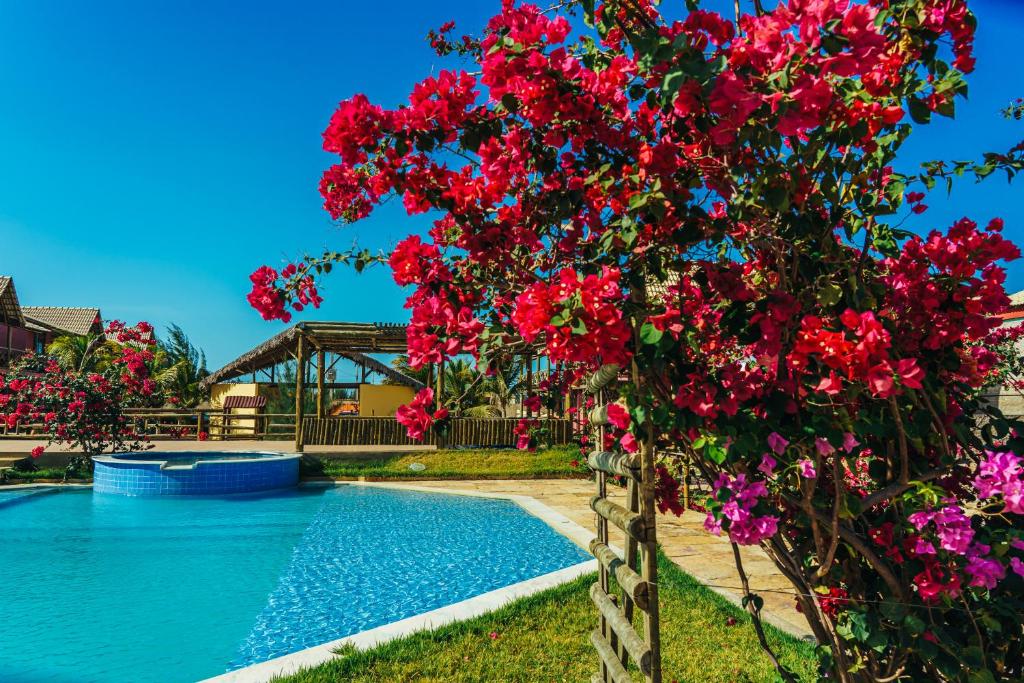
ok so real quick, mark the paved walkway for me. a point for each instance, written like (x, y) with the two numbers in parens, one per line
(683, 539)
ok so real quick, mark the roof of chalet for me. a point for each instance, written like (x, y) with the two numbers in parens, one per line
(351, 340)
(1015, 311)
(244, 402)
(64, 318)
(9, 300)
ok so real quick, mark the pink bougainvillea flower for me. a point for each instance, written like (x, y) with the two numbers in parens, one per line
(823, 446)
(999, 475)
(777, 443)
(849, 442)
(417, 416)
(618, 416)
(767, 465)
(628, 443)
(806, 468)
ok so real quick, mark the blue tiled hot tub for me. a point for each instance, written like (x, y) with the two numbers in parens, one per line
(193, 474)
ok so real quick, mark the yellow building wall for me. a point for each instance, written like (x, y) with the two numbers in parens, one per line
(218, 392)
(382, 400)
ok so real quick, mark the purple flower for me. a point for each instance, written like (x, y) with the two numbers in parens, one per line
(777, 443)
(849, 442)
(921, 519)
(985, 572)
(807, 470)
(1000, 475)
(744, 527)
(1017, 566)
(953, 529)
(923, 547)
(767, 465)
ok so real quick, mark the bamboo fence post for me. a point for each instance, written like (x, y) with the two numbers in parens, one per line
(439, 384)
(300, 375)
(529, 381)
(320, 383)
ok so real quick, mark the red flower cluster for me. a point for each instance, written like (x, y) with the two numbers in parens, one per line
(420, 416)
(860, 353)
(272, 290)
(580, 317)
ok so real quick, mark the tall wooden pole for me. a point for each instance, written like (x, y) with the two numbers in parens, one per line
(440, 383)
(300, 389)
(319, 383)
(529, 381)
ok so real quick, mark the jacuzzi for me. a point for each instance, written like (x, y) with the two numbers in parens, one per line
(193, 473)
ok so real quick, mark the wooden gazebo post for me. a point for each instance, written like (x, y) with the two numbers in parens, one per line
(320, 383)
(300, 388)
(529, 381)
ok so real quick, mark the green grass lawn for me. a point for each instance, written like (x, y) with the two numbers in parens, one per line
(546, 638)
(449, 464)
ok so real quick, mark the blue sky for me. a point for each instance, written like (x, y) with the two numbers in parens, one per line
(154, 154)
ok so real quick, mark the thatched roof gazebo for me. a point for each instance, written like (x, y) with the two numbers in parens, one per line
(309, 344)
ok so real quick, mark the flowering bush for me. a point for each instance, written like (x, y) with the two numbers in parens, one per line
(419, 417)
(718, 202)
(83, 409)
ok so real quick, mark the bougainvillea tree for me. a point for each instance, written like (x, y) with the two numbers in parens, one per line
(84, 409)
(716, 202)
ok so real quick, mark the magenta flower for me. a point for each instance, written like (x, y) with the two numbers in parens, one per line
(849, 442)
(1000, 475)
(767, 465)
(777, 443)
(806, 468)
(824, 447)
(985, 572)
(744, 527)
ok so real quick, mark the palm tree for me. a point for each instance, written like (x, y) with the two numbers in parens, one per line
(82, 353)
(503, 386)
(470, 393)
(180, 367)
(462, 386)
(401, 363)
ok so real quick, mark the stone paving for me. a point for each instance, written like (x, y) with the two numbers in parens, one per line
(683, 539)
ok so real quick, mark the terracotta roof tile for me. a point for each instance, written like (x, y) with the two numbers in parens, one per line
(64, 318)
(9, 305)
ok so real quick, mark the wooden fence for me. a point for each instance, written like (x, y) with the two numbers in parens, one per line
(215, 425)
(463, 431)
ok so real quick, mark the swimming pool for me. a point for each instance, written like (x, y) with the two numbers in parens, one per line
(103, 587)
(152, 473)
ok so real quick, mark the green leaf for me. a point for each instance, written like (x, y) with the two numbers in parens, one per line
(715, 453)
(830, 295)
(649, 334)
(919, 111)
(673, 81)
(914, 624)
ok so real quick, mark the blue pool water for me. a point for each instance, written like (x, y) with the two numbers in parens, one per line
(103, 587)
